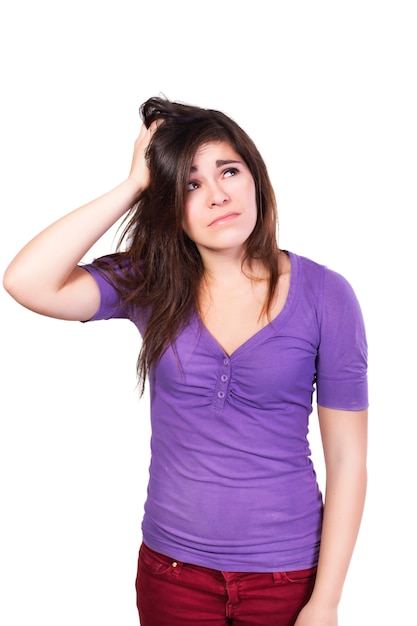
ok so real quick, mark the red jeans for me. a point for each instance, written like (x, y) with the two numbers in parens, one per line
(172, 593)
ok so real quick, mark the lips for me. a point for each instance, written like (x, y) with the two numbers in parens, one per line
(226, 217)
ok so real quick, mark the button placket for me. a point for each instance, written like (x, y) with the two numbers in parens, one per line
(222, 383)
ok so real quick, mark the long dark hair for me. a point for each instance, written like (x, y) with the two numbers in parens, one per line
(164, 268)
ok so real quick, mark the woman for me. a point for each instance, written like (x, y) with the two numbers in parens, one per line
(237, 336)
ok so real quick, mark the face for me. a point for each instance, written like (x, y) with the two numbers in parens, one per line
(220, 210)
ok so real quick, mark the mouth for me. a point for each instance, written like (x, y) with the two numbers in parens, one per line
(222, 219)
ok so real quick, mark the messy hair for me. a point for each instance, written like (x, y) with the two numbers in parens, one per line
(164, 268)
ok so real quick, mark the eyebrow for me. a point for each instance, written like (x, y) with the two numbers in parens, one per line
(219, 163)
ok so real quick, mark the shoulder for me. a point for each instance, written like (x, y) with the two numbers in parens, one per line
(305, 267)
(328, 291)
(320, 276)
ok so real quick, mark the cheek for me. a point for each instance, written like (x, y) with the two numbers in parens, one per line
(187, 219)
(252, 194)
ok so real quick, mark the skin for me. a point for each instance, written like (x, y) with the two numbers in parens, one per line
(45, 278)
(220, 211)
(344, 437)
(220, 214)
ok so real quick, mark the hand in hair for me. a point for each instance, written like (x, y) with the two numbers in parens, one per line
(139, 171)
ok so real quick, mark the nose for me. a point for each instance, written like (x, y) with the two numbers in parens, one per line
(218, 196)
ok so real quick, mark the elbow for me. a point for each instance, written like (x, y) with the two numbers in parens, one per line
(9, 282)
(17, 286)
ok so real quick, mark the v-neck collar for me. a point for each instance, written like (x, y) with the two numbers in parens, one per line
(260, 335)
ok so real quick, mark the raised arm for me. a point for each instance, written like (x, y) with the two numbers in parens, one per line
(45, 276)
(344, 436)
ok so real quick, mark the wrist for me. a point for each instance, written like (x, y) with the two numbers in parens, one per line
(325, 596)
(133, 186)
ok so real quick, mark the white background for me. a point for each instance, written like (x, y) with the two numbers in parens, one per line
(328, 92)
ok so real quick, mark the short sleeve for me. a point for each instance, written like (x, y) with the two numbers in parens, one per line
(342, 381)
(111, 305)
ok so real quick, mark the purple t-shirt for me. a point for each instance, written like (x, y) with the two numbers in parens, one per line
(232, 486)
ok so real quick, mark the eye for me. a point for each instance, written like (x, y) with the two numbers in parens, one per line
(231, 171)
(192, 185)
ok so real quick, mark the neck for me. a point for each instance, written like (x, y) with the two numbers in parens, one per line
(227, 270)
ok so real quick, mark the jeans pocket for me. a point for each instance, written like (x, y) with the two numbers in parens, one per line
(300, 576)
(157, 563)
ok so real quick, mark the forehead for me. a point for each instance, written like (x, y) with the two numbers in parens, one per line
(214, 151)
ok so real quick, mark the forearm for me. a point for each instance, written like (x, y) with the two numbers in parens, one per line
(344, 502)
(344, 438)
(46, 262)
(38, 274)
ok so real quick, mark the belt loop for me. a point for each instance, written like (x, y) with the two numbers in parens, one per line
(277, 577)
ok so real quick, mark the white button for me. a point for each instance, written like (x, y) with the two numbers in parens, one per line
(224, 378)
(220, 394)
